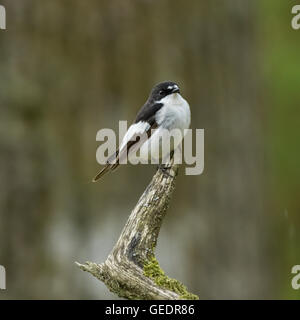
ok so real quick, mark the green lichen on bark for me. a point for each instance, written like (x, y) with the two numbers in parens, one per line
(153, 271)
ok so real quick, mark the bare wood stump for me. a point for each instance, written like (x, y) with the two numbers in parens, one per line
(131, 270)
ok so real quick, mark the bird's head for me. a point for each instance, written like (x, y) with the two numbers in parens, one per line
(163, 89)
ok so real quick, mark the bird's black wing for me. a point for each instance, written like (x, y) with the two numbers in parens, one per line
(148, 112)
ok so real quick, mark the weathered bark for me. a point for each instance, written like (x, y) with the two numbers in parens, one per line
(131, 270)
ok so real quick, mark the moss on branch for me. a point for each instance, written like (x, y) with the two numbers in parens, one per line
(153, 271)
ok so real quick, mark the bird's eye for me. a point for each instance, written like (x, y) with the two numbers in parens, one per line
(161, 92)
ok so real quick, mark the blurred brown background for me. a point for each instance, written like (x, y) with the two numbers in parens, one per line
(70, 68)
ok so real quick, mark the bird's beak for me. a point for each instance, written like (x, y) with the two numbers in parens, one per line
(175, 90)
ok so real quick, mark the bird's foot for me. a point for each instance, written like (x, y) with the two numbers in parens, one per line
(165, 170)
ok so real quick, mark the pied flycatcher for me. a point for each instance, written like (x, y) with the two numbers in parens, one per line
(164, 110)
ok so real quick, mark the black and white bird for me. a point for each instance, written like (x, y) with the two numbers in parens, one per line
(164, 110)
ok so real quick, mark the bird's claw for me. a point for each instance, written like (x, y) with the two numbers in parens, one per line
(165, 170)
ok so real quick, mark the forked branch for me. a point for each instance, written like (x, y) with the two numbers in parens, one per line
(131, 270)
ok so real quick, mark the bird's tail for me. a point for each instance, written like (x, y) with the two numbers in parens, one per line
(102, 173)
(108, 167)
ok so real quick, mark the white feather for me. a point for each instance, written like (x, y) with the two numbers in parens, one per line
(136, 128)
(175, 114)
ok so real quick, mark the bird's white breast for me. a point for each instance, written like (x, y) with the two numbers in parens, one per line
(175, 114)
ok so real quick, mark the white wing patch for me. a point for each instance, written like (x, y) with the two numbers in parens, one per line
(136, 128)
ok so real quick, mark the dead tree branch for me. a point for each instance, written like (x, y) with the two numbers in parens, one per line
(131, 270)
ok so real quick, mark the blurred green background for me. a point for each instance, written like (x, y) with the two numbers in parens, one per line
(70, 68)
